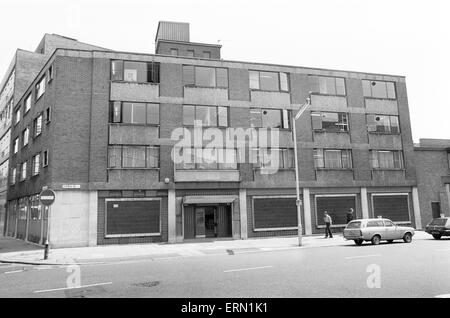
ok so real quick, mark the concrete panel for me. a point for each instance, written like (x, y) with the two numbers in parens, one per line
(335, 140)
(133, 135)
(329, 103)
(134, 92)
(133, 179)
(206, 175)
(358, 128)
(384, 141)
(171, 80)
(388, 177)
(243, 213)
(205, 96)
(344, 176)
(270, 99)
(381, 106)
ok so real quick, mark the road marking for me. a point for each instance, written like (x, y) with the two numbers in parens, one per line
(362, 256)
(442, 296)
(66, 288)
(12, 272)
(246, 269)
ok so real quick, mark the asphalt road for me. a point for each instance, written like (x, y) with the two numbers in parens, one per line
(419, 269)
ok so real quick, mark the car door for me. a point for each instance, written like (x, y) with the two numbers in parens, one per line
(390, 230)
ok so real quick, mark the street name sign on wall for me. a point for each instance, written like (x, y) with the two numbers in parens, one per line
(47, 197)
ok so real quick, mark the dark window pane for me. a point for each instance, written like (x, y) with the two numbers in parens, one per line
(154, 70)
(190, 53)
(330, 122)
(188, 115)
(153, 114)
(117, 70)
(395, 128)
(269, 81)
(116, 112)
(222, 77)
(205, 76)
(271, 118)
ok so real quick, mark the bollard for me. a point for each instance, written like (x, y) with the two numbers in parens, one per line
(46, 250)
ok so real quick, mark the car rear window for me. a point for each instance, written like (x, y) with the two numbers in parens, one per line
(354, 225)
(439, 222)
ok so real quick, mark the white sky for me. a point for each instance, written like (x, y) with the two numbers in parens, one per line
(400, 37)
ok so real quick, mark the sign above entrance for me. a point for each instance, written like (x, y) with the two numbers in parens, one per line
(47, 197)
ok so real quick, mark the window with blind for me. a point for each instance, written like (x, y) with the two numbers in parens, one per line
(379, 89)
(132, 71)
(144, 157)
(387, 159)
(333, 158)
(205, 76)
(383, 124)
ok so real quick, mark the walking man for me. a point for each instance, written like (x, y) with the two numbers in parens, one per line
(350, 215)
(328, 221)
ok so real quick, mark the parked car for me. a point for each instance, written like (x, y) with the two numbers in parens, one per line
(439, 227)
(376, 230)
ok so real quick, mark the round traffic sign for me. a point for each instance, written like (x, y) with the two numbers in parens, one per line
(47, 197)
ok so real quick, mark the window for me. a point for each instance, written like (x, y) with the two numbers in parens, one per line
(387, 159)
(28, 103)
(134, 113)
(210, 116)
(50, 74)
(38, 125)
(40, 87)
(17, 116)
(207, 54)
(48, 115)
(45, 158)
(383, 124)
(331, 85)
(265, 157)
(332, 159)
(269, 118)
(133, 157)
(174, 52)
(23, 171)
(25, 136)
(268, 81)
(36, 165)
(13, 175)
(379, 89)
(190, 53)
(375, 224)
(205, 76)
(130, 71)
(330, 122)
(208, 159)
(16, 145)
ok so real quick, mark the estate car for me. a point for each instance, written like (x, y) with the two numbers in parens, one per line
(439, 227)
(376, 230)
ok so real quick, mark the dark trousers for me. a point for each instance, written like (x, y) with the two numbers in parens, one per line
(328, 230)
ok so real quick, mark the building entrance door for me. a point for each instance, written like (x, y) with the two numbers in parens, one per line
(436, 209)
(208, 221)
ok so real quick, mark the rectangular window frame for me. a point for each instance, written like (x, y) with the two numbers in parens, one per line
(153, 72)
(343, 122)
(40, 87)
(190, 78)
(255, 83)
(146, 159)
(36, 165)
(368, 85)
(320, 159)
(218, 125)
(375, 160)
(335, 80)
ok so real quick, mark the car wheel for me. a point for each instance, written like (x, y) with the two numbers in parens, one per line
(358, 242)
(437, 236)
(390, 241)
(407, 238)
(376, 240)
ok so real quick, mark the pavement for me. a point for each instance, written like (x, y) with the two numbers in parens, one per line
(19, 252)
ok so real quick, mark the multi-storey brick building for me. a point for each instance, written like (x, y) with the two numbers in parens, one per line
(433, 175)
(98, 128)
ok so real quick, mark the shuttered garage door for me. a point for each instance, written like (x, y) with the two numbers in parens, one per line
(274, 213)
(393, 207)
(132, 217)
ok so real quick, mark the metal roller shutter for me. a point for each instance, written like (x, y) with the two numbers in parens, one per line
(132, 217)
(393, 207)
(336, 206)
(274, 213)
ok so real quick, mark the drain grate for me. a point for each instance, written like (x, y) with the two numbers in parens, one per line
(147, 284)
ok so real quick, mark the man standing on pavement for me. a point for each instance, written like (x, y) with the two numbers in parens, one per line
(328, 221)
(349, 215)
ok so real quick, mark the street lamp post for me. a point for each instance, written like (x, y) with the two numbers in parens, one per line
(297, 185)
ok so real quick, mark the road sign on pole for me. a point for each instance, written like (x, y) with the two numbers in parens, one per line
(47, 197)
